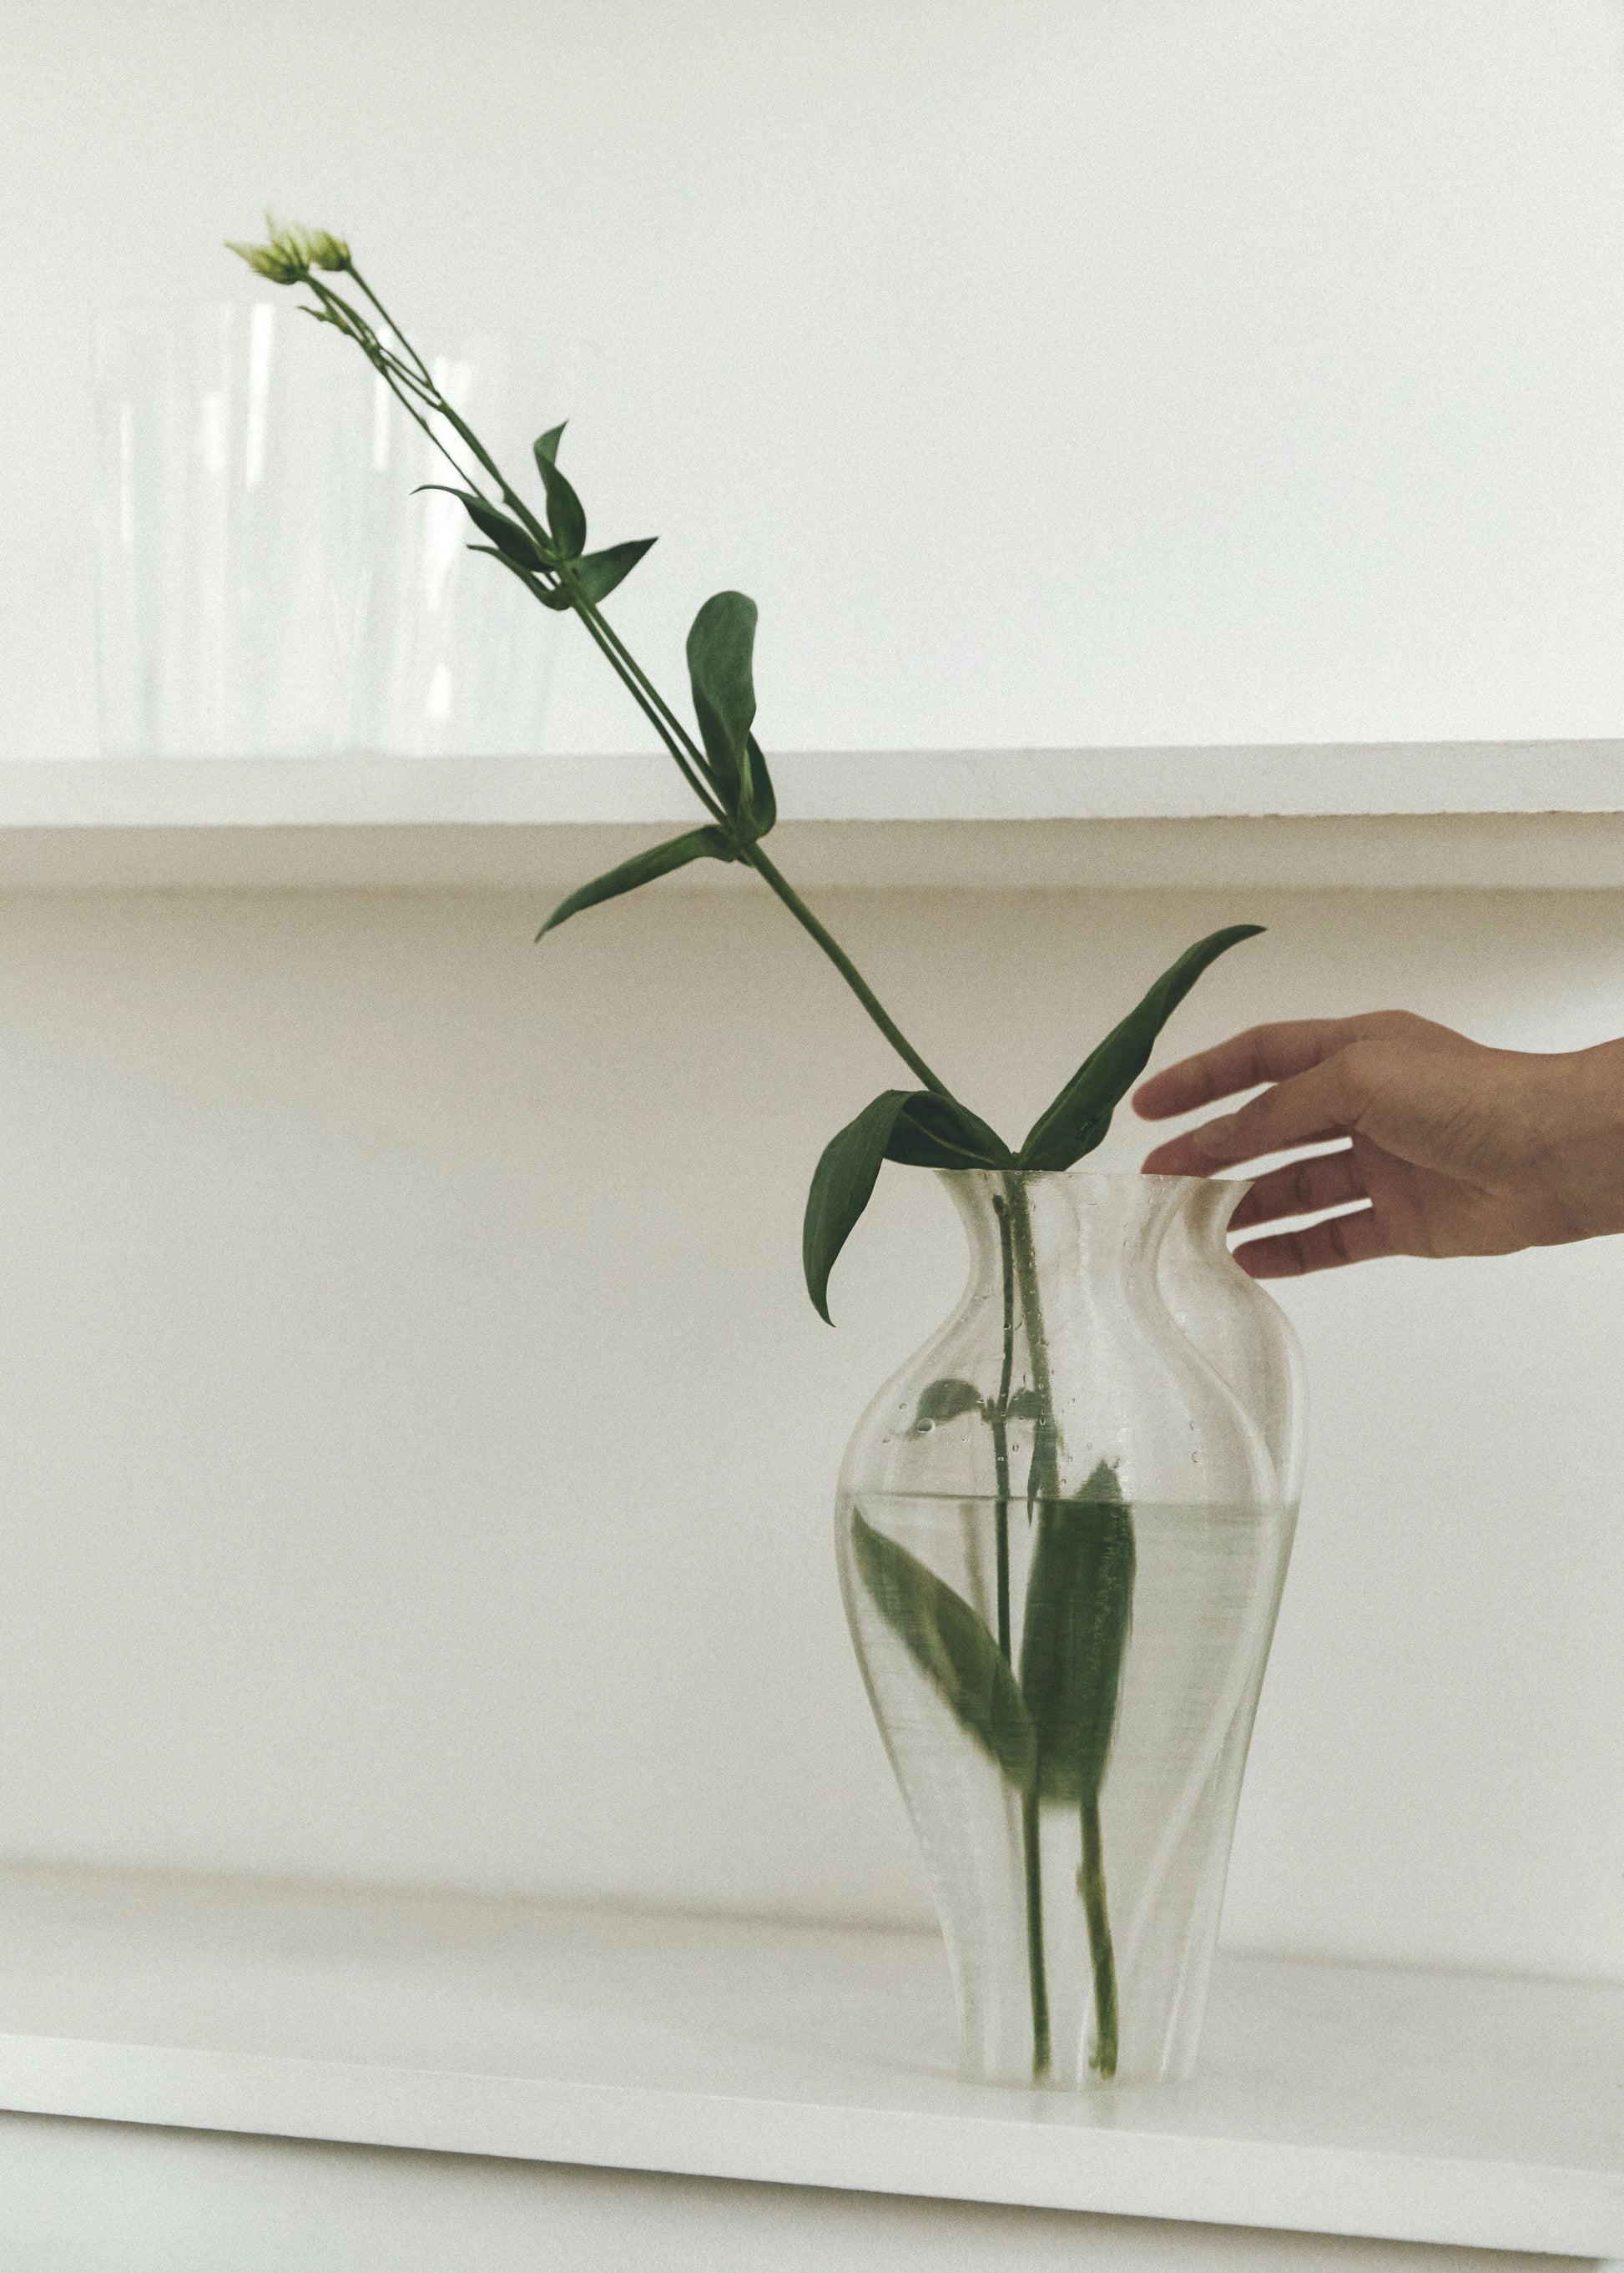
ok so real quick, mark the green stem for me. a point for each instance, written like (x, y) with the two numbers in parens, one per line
(659, 714)
(1044, 1483)
(1000, 1418)
(1091, 1887)
(1043, 1480)
(701, 789)
(676, 741)
(847, 970)
(594, 619)
(1035, 1969)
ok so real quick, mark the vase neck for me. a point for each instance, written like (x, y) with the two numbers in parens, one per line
(1054, 1228)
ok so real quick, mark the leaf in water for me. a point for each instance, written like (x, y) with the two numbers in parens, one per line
(1025, 1405)
(938, 1132)
(1080, 1609)
(945, 1400)
(1080, 1116)
(842, 1186)
(659, 860)
(597, 573)
(951, 1648)
(720, 651)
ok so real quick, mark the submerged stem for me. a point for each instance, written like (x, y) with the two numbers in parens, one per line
(1091, 1887)
(1035, 1968)
(1043, 1483)
(1000, 1419)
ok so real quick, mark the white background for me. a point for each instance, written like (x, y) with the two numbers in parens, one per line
(417, 1449)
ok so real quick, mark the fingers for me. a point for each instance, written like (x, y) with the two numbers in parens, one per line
(1356, 1238)
(1301, 1188)
(1262, 1054)
(1308, 1110)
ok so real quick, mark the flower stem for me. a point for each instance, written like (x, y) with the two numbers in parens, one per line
(1044, 1483)
(1000, 1419)
(1035, 1968)
(847, 968)
(678, 744)
(1091, 1887)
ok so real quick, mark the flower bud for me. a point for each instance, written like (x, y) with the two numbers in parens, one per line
(274, 262)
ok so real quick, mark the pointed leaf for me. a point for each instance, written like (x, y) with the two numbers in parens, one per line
(951, 1648)
(842, 1186)
(720, 650)
(1080, 1610)
(566, 515)
(598, 574)
(938, 1132)
(507, 537)
(1080, 1116)
(945, 1400)
(660, 860)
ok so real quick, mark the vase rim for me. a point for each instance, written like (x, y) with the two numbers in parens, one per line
(1082, 1174)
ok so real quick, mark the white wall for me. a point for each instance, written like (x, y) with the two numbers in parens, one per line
(419, 1450)
(1061, 371)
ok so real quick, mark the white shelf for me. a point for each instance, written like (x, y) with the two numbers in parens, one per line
(1421, 815)
(1428, 2107)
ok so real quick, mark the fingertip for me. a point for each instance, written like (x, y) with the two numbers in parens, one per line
(1173, 1158)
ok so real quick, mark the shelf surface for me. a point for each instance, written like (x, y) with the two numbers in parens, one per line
(1421, 815)
(1408, 2105)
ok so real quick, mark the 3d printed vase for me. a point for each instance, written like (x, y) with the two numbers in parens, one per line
(1062, 1532)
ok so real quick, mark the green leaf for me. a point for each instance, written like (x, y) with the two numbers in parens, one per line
(508, 538)
(915, 1127)
(945, 1400)
(951, 1648)
(759, 800)
(720, 646)
(597, 573)
(566, 515)
(1080, 1609)
(842, 1186)
(660, 860)
(938, 1132)
(1080, 1116)
(548, 595)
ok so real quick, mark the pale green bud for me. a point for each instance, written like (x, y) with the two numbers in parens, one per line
(271, 261)
(327, 251)
(291, 251)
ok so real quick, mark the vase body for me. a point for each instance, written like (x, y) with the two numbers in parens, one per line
(1062, 1530)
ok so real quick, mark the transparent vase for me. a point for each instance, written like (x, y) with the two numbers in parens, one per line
(456, 659)
(1062, 1530)
(230, 531)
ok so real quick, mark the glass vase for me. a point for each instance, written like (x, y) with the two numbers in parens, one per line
(454, 657)
(1062, 1530)
(230, 529)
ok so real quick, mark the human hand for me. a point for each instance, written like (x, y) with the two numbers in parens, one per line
(1453, 1147)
